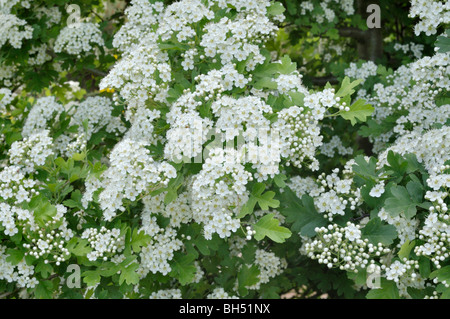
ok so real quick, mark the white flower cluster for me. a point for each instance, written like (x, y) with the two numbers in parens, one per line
(141, 75)
(44, 111)
(132, 173)
(186, 136)
(6, 97)
(142, 128)
(299, 136)
(406, 227)
(166, 294)
(269, 266)
(436, 231)
(179, 210)
(431, 13)
(78, 145)
(156, 255)
(38, 55)
(14, 30)
(227, 39)
(15, 186)
(219, 192)
(52, 15)
(81, 38)
(326, 12)
(234, 114)
(97, 111)
(343, 247)
(7, 5)
(404, 275)
(32, 151)
(7, 73)
(413, 88)
(11, 217)
(48, 243)
(335, 145)
(23, 275)
(220, 293)
(377, 190)
(436, 234)
(332, 194)
(141, 16)
(104, 242)
(432, 148)
(415, 48)
(363, 72)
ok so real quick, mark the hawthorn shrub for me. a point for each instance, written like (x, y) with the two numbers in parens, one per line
(172, 149)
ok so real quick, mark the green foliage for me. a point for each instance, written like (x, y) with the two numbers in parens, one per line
(269, 226)
(358, 110)
(301, 213)
(388, 290)
(443, 42)
(376, 232)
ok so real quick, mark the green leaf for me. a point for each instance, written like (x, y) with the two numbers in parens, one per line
(279, 180)
(247, 276)
(266, 200)
(44, 213)
(360, 278)
(377, 232)
(256, 196)
(275, 9)
(424, 266)
(266, 83)
(79, 156)
(138, 240)
(443, 43)
(297, 97)
(415, 190)
(333, 34)
(302, 213)
(358, 110)
(91, 277)
(445, 291)
(400, 202)
(398, 166)
(287, 66)
(388, 290)
(183, 268)
(171, 195)
(44, 290)
(78, 246)
(406, 248)
(365, 170)
(44, 269)
(442, 274)
(15, 256)
(347, 87)
(248, 207)
(268, 226)
(416, 293)
(129, 275)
